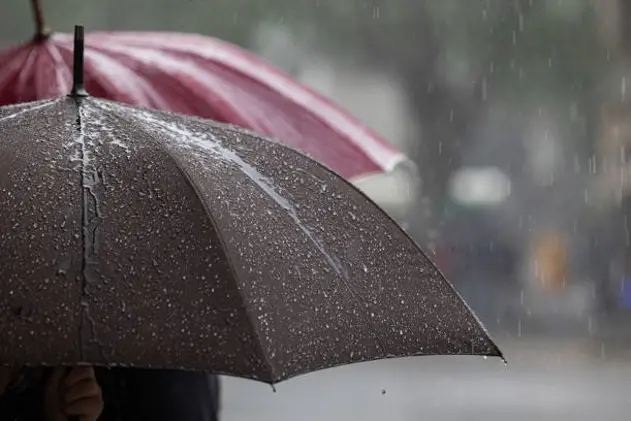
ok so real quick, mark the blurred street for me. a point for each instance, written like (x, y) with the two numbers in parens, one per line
(545, 379)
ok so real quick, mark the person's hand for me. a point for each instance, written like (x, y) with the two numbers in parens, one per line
(73, 394)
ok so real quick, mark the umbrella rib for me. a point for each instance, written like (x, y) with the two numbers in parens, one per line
(11, 71)
(231, 265)
(60, 66)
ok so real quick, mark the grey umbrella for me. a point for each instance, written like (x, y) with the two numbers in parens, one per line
(131, 237)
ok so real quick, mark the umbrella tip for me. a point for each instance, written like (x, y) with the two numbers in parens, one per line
(78, 86)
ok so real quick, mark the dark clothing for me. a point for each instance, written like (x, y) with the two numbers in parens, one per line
(158, 395)
(26, 402)
(131, 395)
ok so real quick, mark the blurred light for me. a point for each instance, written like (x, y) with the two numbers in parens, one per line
(484, 186)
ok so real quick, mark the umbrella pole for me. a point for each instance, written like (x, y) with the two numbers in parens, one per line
(41, 30)
(78, 86)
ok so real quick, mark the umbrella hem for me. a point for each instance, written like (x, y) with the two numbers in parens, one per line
(274, 380)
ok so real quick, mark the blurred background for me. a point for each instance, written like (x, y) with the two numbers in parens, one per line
(516, 113)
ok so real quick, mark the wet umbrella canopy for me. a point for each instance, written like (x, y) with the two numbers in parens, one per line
(142, 238)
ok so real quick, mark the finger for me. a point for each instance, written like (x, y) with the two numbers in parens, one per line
(89, 407)
(84, 389)
(78, 374)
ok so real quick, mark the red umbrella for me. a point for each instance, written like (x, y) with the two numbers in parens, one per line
(200, 76)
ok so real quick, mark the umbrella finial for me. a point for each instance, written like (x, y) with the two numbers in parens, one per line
(78, 87)
(42, 32)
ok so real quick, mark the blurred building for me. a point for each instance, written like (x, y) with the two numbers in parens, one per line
(550, 260)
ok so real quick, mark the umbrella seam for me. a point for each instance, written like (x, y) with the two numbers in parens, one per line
(91, 219)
